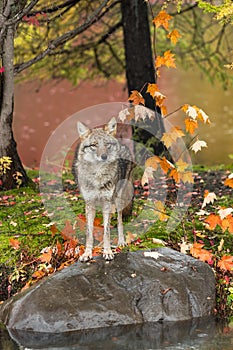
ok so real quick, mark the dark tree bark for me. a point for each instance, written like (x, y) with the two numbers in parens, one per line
(16, 174)
(140, 63)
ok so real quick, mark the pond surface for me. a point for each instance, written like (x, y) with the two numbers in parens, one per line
(38, 112)
(200, 334)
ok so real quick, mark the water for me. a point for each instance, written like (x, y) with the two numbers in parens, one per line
(39, 113)
(198, 334)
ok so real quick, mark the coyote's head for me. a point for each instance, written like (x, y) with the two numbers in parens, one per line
(98, 144)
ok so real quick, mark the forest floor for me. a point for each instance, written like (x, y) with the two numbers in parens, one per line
(36, 241)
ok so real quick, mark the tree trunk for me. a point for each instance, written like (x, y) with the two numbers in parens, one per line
(16, 175)
(139, 63)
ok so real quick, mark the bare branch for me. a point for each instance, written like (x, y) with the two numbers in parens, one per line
(63, 38)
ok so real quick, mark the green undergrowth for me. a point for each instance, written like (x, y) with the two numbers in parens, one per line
(28, 229)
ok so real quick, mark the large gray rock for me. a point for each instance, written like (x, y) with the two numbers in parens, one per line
(132, 289)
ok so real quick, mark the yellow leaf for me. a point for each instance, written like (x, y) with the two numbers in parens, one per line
(181, 165)
(160, 211)
(162, 19)
(190, 125)
(167, 60)
(167, 139)
(187, 176)
(153, 162)
(170, 137)
(174, 35)
(152, 89)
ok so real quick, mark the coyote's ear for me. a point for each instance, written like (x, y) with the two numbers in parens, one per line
(83, 130)
(111, 127)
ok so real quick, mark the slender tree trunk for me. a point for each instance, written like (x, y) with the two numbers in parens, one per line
(16, 175)
(140, 62)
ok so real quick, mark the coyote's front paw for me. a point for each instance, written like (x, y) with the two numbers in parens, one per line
(121, 243)
(108, 254)
(86, 256)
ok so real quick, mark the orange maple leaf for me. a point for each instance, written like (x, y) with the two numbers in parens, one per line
(46, 257)
(229, 181)
(153, 162)
(227, 223)
(152, 89)
(190, 125)
(166, 165)
(167, 60)
(198, 252)
(226, 263)
(136, 98)
(175, 175)
(162, 19)
(174, 35)
(15, 243)
(212, 221)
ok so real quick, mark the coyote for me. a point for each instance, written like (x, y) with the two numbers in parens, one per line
(103, 170)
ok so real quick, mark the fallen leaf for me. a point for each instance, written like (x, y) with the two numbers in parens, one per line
(224, 212)
(15, 243)
(220, 246)
(227, 223)
(198, 252)
(130, 237)
(154, 255)
(209, 198)
(229, 181)
(226, 263)
(46, 256)
(212, 221)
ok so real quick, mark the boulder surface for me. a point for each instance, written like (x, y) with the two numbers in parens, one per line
(162, 285)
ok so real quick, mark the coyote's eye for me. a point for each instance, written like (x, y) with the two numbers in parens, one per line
(93, 146)
(110, 145)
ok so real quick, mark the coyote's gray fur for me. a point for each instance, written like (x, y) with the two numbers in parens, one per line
(103, 169)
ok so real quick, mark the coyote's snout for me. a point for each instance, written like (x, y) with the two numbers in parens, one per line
(103, 170)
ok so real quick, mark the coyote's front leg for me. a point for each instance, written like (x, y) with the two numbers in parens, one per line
(107, 254)
(90, 215)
